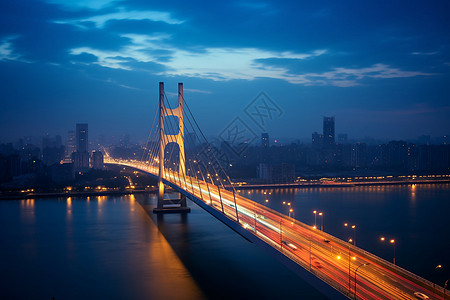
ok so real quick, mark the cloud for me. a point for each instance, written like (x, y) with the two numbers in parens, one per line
(7, 50)
(198, 91)
(122, 14)
(346, 77)
(230, 63)
(219, 64)
(224, 64)
(425, 53)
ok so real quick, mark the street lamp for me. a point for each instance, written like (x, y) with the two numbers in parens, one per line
(366, 264)
(392, 241)
(290, 209)
(321, 215)
(354, 231)
(349, 257)
(315, 218)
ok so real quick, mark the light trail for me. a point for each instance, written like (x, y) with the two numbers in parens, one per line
(312, 249)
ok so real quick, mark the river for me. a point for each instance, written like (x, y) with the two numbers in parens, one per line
(112, 248)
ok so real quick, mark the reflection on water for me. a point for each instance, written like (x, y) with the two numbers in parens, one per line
(76, 248)
(110, 248)
(27, 210)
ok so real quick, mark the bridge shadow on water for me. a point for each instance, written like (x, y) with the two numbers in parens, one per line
(224, 264)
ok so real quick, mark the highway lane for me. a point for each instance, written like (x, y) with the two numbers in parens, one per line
(318, 252)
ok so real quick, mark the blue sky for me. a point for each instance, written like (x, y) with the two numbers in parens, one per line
(382, 68)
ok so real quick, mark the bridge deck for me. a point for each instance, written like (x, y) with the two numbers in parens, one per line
(334, 261)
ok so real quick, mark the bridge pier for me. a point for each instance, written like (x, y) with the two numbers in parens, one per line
(170, 205)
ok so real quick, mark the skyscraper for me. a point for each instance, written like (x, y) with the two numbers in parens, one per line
(80, 158)
(71, 145)
(82, 137)
(328, 132)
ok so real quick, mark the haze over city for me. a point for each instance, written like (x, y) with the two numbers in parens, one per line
(380, 68)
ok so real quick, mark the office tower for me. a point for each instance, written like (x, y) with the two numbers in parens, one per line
(82, 137)
(80, 158)
(328, 132)
(265, 140)
(97, 160)
(71, 145)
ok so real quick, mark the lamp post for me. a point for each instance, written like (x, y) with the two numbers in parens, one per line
(321, 215)
(366, 264)
(354, 231)
(315, 218)
(392, 241)
(349, 258)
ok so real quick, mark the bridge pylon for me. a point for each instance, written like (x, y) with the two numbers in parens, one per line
(171, 205)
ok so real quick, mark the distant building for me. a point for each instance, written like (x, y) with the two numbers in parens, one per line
(265, 140)
(424, 140)
(52, 155)
(358, 155)
(317, 140)
(276, 173)
(342, 138)
(124, 141)
(328, 132)
(80, 158)
(97, 160)
(80, 161)
(191, 138)
(397, 155)
(82, 140)
(71, 145)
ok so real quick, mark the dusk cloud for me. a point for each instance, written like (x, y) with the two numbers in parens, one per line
(7, 50)
(123, 14)
(316, 58)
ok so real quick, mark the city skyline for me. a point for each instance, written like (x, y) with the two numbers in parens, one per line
(380, 69)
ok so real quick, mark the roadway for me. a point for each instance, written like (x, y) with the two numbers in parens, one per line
(352, 271)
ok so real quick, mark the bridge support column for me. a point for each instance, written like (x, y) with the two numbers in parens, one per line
(171, 205)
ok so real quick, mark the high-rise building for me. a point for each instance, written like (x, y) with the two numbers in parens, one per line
(80, 158)
(317, 140)
(71, 145)
(82, 137)
(265, 140)
(328, 132)
(97, 160)
(80, 161)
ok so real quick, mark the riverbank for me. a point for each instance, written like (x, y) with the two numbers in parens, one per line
(335, 184)
(18, 196)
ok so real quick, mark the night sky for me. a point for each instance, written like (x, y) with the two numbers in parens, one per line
(382, 68)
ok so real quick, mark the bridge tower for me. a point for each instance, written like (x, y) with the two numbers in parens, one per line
(171, 205)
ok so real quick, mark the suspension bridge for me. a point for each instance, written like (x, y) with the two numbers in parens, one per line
(179, 156)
